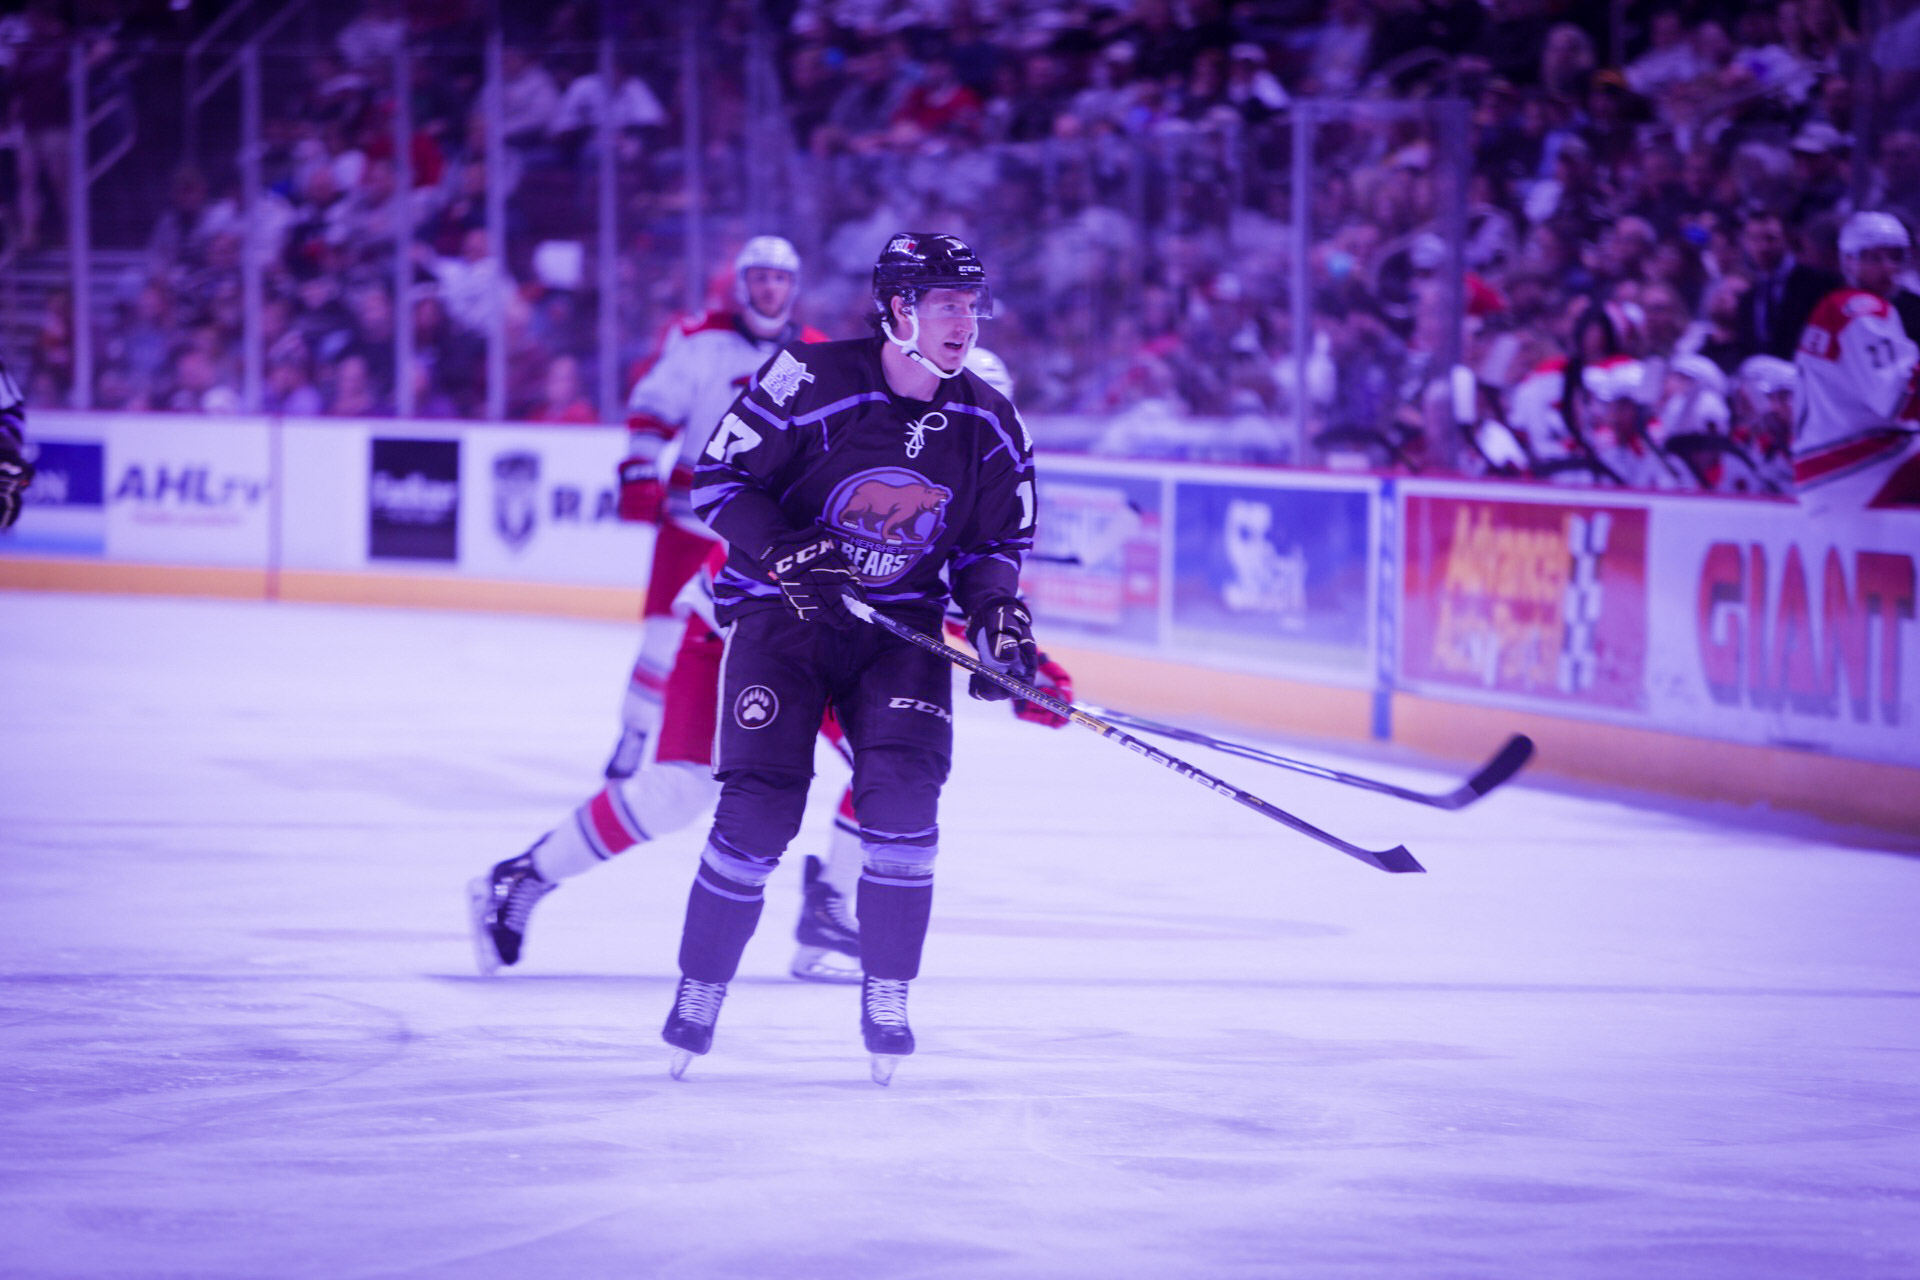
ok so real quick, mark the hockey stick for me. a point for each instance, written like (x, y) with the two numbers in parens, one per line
(1506, 762)
(1396, 859)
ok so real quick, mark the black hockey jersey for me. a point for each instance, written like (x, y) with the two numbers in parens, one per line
(910, 487)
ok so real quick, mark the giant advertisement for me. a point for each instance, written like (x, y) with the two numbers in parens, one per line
(543, 503)
(1096, 566)
(1277, 575)
(1537, 598)
(1786, 630)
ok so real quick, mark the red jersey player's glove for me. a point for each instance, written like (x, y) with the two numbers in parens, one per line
(1053, 678)
(643, 494)
(643, 497)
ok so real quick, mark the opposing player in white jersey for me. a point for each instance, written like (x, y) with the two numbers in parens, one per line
(1856, 438)
(677, 785)
(671, 413)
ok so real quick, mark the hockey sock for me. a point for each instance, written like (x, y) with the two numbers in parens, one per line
(647, 686)
(660, 799)
(895, 905)
(842, 870)
(721, 915)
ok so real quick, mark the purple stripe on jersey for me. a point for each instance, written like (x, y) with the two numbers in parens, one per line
(968, 561)
(993, 420)
(709, 499)
(779, 422)
(837, 406)
(731, 580)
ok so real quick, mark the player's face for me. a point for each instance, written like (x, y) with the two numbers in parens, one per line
(949, 323)
(1874, 269)
(768, 289)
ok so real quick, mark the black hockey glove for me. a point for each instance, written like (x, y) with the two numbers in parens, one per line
(16, 473)
(1002, 633)
(815, 578)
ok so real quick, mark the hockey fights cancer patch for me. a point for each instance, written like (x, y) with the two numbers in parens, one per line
(755, 707)
(784, 377)
(887, 518)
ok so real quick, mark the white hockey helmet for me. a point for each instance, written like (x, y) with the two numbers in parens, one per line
(992, 370)
(1870, 230)
(775, 252)
(1767, 375)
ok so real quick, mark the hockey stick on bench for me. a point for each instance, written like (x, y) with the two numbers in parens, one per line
(1504, 763)
(1396, 859)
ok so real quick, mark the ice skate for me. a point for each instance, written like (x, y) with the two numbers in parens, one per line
(883, 1024)
(498, 905)
(689, 1029)
(627, 754)
(829, 949)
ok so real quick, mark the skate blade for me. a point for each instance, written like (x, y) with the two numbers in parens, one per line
(810, 964)
(485, 958)
(678, 1064)
(883, 1065)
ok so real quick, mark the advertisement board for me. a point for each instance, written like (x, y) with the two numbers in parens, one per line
(1279, 573)
(413, 499)
(1534, 597)
(544, 503)
(1786, 630)
(65, 508)
(1096, 567)
(184, 489)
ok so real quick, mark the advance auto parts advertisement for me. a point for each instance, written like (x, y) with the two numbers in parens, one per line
(1540, 599)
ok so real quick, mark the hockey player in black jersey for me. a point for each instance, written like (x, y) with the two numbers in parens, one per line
(16, 473)
(878, 468)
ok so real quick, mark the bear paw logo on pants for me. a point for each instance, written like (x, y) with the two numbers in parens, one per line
(755, 707)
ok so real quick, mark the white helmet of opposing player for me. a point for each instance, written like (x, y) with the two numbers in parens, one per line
(1871, 230)
(775, 253)
(992, 370)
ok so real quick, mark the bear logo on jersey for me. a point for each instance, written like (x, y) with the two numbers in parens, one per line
(887, 518)
(755, 707)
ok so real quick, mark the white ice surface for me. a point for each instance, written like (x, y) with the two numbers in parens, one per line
(240, 1034)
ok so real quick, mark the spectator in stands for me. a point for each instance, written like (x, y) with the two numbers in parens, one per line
(1820, 179)
(941, 104)
(354, 395)
(529, 99)
(472, 284)
(290, 388)
(1784, 290)
(562, 399)
(197, 386)
(1669, 62)
(1896, 187)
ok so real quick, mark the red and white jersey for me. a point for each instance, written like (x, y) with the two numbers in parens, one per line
(1534, 412)
(705, 362)
(1854, 408)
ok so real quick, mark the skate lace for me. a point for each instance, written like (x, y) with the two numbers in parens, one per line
(525, 890)
(699, 1001)
(886, 1000)
(834, 907)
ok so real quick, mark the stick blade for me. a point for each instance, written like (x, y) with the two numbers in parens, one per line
(1396, 859)
(1508, 761)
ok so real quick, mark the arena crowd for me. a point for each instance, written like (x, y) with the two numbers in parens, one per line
(1649, 215)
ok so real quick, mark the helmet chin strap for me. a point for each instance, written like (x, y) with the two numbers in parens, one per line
(910, 347)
